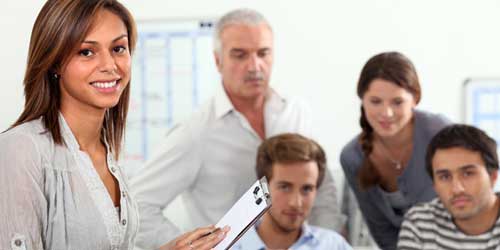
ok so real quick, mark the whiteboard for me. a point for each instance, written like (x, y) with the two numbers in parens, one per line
(482, 107)
(173, 71)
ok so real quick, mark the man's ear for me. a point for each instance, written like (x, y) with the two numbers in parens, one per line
(218, 60)
(433, 176)
(493, 177)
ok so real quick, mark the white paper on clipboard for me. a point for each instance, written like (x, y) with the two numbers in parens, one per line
(245, 212)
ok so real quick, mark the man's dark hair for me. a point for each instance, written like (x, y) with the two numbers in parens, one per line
(467, 137)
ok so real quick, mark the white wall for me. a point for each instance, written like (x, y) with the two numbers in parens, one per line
(320, 49)
(322, 45)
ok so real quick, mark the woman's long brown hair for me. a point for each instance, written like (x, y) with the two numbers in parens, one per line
(58, 31)
(393, 67)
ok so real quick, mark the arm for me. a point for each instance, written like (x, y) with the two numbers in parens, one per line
(381, 229)
(170, 171)
(22, 202)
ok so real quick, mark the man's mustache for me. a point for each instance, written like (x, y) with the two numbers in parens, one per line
(460, 197)
(258, 76)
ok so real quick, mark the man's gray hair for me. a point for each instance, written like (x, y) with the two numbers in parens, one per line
(238, 16)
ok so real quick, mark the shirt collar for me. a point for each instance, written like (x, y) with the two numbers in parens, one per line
(222, 103)
(67, 134)
(70, 139)
(307, 234)
(253, 241)
(223, 106)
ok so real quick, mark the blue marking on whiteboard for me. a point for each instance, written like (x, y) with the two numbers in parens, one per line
(194, 69)
(167, 36)
(143, 97)
(174, 34)
(169, 84)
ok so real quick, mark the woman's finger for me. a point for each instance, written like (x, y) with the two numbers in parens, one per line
(194, 235)
(211, 240)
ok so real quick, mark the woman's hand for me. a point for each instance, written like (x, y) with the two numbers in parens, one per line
(204, 238)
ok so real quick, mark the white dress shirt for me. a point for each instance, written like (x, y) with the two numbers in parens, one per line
(53, 198)
(210, 160)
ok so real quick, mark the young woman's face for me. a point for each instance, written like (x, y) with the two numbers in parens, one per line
(388, 107)
(98, 72)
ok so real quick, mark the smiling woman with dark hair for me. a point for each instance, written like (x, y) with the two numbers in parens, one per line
(61, 185)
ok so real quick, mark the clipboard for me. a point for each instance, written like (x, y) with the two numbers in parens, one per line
(245, 212)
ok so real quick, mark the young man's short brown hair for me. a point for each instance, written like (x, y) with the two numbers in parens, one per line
(289, 148)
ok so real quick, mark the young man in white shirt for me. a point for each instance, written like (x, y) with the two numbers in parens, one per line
(463, 163)
(294, 167)
(209, 158)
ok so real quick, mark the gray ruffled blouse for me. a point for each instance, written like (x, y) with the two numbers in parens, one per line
(51, 197)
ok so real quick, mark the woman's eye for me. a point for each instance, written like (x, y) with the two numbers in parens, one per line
(119, 49)
(86, 52)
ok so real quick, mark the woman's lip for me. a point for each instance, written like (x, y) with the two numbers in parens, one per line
(385, 124)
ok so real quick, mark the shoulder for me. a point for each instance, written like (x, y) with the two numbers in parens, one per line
(23, 146)
(250, 240)
(284, 114)
(196, 123)
(324, 233)
(426, 212)
(351, 155)
(430, 123)
(203, 115)
(352, 148)
(28, 134)
(296, 103)
(289, 105)
(329, 238)
(425, 223)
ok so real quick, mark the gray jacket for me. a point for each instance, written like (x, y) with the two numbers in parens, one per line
(414, 182)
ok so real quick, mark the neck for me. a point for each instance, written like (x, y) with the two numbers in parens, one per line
(483, 221)
(273, 236)
(253, 110)
(86, 127)
(249, 105)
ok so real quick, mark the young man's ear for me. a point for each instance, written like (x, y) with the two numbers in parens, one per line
(493, 177)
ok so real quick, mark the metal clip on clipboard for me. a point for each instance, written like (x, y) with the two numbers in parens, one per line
(245, 212)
